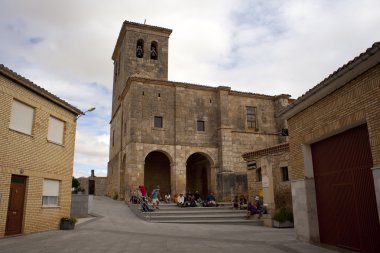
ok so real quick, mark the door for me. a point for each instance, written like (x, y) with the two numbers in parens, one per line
(16, 205)
(91, 187)
(345, 193)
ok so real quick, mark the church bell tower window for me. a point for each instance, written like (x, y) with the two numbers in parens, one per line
(140, 49)
(153, 50)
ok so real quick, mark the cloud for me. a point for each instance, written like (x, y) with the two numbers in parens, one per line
(268, 47)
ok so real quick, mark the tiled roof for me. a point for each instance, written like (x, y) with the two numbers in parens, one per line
(375, 48)
(266, 151)
(37, 89)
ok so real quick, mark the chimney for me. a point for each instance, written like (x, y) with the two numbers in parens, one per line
(92, 173)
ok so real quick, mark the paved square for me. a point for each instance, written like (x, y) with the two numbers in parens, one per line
(117, 229)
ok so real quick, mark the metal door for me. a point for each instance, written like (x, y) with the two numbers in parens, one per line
(16, 205)
(346, 201)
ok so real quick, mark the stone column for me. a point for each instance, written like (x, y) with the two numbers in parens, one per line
(305, 210)
(267, 183)
(226, 175)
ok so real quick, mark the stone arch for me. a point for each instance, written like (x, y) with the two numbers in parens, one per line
(198, 173)
(157, 171)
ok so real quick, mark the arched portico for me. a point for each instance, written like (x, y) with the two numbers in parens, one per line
(157, 172)
(198, 174)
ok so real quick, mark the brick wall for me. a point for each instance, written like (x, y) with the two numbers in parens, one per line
(355, 103)
(33, 156)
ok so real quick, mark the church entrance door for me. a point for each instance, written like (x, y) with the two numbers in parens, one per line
(157, 172)
(198, 174)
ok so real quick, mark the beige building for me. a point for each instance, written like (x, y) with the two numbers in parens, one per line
(268, 176)
(94, 185)
(334, 138)
(183, 137)
(37, 135)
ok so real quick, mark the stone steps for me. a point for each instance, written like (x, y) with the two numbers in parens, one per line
(223, 214)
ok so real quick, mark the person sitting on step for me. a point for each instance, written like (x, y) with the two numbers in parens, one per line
(211, 200)
(251, 210)
(181, 200)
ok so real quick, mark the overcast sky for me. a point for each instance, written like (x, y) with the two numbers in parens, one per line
(268, 47)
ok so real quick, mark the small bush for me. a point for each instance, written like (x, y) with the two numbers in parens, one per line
(72, 220)
(283, 214)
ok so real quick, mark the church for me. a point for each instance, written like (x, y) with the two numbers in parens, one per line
(181, 136)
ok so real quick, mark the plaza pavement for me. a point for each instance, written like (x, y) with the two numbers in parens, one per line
(117, 229)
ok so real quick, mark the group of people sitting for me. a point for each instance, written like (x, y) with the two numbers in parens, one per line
(252, 208)
(148, 204)
(194, 200)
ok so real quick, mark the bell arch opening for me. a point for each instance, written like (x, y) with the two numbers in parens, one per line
(157, 172)
(198, 174)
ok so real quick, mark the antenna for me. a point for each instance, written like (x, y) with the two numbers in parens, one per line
(144, 21)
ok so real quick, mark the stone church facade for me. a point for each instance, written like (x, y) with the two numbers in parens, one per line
(183, 137)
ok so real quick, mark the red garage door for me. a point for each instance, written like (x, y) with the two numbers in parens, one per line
(346, 201)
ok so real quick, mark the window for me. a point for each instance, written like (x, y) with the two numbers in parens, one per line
(158, 122)
(251, 165)
(251, 117)
(56, 130)
(153, 51)
(22, 117)
(285, 174)
(258, 175)
(200, 125)
(140, 49)
(50, 193)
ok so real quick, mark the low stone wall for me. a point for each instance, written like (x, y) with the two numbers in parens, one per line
(79, 205)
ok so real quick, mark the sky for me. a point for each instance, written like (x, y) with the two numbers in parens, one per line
(261, 46)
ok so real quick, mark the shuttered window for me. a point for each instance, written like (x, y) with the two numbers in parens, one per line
(50, 193)
(22, 117)
(56, 130)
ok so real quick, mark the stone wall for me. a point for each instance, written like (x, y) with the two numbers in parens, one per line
(180, 106)
(273, 189)
(79, 206)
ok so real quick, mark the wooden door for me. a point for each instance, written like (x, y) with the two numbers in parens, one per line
(16, 205)
(346, 200)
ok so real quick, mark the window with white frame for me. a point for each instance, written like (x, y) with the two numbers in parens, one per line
(50, 193)
(22, 117)
(56, 130)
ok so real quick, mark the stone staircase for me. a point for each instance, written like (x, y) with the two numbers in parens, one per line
(223, 214)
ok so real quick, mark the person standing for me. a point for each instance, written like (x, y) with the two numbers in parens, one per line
(155, 196)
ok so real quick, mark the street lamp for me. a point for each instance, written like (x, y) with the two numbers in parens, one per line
(84, 113)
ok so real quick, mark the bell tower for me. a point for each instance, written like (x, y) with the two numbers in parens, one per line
(140, 50)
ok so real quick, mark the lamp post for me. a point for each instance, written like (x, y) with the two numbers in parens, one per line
(89, 110)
